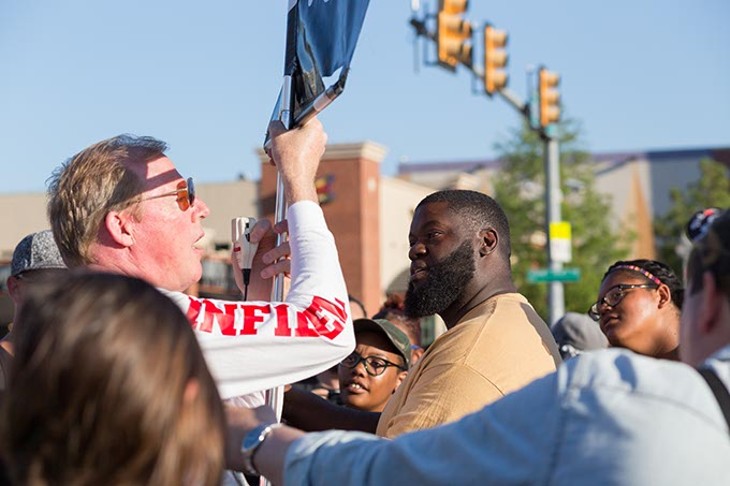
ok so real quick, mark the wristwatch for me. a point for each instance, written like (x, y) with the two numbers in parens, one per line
(251, 442)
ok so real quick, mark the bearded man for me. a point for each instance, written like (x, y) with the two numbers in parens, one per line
(495, 344)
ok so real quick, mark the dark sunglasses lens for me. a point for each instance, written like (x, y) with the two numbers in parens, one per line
(191, 191)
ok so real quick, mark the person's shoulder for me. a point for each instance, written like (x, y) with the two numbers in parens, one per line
(510, 317)
(515, 305)
(623, 369)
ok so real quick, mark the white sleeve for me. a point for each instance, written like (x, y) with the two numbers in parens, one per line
(252, 346)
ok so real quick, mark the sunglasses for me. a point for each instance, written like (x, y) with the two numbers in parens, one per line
(185, 193)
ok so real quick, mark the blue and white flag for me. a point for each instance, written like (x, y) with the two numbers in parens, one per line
(321, 39)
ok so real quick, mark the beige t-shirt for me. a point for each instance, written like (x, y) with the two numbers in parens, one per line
(498, 347)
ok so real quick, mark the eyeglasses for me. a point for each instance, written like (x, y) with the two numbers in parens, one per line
(185, 193)
(614, 295)
(374, 366)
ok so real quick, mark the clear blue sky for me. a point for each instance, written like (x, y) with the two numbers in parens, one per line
(203, 76)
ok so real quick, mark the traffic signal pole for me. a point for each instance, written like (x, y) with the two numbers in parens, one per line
(553, 198)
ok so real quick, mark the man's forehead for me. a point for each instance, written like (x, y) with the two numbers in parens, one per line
(438, 212)
(156, 171)
(433, 210)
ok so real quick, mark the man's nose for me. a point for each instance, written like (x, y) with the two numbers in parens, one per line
(417, 249)
(201, 208)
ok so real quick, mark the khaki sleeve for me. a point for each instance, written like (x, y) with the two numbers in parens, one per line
(443, 394)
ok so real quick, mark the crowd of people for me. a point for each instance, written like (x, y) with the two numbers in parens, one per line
(111, 374)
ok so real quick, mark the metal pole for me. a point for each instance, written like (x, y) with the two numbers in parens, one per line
(275, 396)
(553, 198)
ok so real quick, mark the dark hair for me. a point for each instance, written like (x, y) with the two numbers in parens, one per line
(660, 270)
(109, 385)
(478, 209)
(711, 253)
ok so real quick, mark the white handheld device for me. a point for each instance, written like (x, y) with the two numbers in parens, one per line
(243, 248)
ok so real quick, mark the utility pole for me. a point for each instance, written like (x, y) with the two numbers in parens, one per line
(553, 198)
(548, 99)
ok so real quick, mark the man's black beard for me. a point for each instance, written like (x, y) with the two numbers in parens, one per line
(444, 284)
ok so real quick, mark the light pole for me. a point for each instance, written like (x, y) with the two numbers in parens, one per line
(553, 199)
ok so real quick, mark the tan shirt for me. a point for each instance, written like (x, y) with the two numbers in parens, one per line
(498, 347)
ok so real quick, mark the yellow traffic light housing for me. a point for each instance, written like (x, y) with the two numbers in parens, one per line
(495, 59)
(548, 97)
(453, 34)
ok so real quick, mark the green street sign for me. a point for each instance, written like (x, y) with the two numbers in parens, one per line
(547, 275)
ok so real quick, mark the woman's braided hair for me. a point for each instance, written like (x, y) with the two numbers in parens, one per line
(661, 271)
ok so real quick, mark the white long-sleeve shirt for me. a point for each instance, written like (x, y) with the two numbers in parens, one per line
(253, 346)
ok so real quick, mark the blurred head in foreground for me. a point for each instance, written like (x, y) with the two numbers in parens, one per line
(109, 386)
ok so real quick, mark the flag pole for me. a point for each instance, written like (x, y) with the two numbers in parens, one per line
(275, 396)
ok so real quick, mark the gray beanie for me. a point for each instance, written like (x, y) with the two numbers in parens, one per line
(37, 251)
(576, 333)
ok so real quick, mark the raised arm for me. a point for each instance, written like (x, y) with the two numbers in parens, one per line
(252, 346)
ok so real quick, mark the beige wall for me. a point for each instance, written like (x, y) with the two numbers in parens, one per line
(20, 215)
(629, 187)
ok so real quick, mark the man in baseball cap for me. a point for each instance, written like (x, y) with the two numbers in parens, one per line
(371, 373)
(36, 257)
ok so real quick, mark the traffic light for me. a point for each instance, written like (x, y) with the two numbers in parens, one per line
(453, 34)
(495, 59)
(548, 97)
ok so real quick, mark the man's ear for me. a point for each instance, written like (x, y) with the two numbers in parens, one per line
(14, 289)
(120, 226)
(489, 241)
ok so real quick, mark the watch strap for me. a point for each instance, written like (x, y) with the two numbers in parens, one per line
(251, 443)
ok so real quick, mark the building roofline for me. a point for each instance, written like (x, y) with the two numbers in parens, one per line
(720, 154)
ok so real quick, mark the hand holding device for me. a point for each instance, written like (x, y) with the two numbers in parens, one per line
(243, 249)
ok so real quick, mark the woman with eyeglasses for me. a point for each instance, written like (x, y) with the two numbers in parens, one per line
(638, 308)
